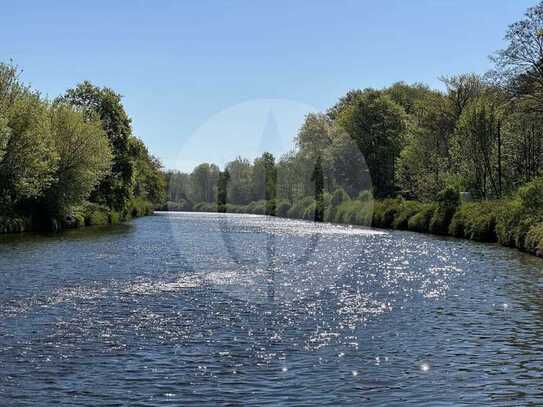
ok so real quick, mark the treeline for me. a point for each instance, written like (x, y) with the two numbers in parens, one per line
(72, 161)
(465, 161)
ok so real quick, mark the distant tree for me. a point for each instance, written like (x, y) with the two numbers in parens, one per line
(222, 190)
(239, 187)
(318, 178)
(204, 180)
(270, 174)
(149, 181)
(461, 90)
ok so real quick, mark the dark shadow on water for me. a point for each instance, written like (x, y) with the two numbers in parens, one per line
(89, 233)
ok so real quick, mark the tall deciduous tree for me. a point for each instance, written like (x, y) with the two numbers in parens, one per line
(115, 190)
(377, 125)
(84, 158)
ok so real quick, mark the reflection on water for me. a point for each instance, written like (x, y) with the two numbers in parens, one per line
(213, 309)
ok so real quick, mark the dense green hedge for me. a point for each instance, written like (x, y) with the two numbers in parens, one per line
(515, 222)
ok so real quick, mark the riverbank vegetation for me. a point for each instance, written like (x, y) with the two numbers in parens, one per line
(71, 161)
(465, 160)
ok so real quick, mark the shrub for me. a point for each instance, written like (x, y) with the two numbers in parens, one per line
(180, 206)
(114, 217)
(282, 209)
(270, 207)
(456, 227)
(336, 199)
(139, 207)
(13, 224)
(530, 196)
(447, 204)
(406, 210)
(204, 207)
(475, 221)
(534, 239)
(309, 211)
(95, 214)
(297, 210)
(339, 196)
(384, 212)
(420, 222)
(258, 207)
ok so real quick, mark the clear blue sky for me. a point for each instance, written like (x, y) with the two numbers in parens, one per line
(179, 63)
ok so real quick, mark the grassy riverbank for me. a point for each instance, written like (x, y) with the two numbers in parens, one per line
(514, 222)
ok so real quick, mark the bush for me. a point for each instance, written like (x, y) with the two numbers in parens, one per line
(13, 224)
(282, 209)
(95, 214)
(475, 221)
(336, 199)
(339, 196)
(530, 196)
(447, 204)
(405, 211)
(204, 207)
(309, 211)
(534, 239)
(257, 207)
(385, 211)
(420, 222)
(297, 210)
(114, 217)
(138, 207)
(180, 206)
(271, 207)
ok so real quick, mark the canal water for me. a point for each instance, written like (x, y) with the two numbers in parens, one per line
(221, 309)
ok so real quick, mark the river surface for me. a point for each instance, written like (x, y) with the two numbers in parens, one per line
(208, 309)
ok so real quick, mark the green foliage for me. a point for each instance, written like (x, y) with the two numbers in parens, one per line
(378, 125)
(405, 211)
(534, 239)
(298, 209)
(476, 221)
(14, 224)
(28, 159)
(55, 156)
(354, 212)
(385, 211)
(84, 158)
(420, 222)
(95, 214)
(104, 104)
(282, 209)
(149, 182)
(447, 204)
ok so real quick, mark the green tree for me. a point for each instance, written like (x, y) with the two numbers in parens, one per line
(239, 187)
(475, 147)
(84, 158)
(115, 190)
(204, 181)
(222, 190)
(431, 127)
(377, 125)
(28, 158)
(149, 181)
